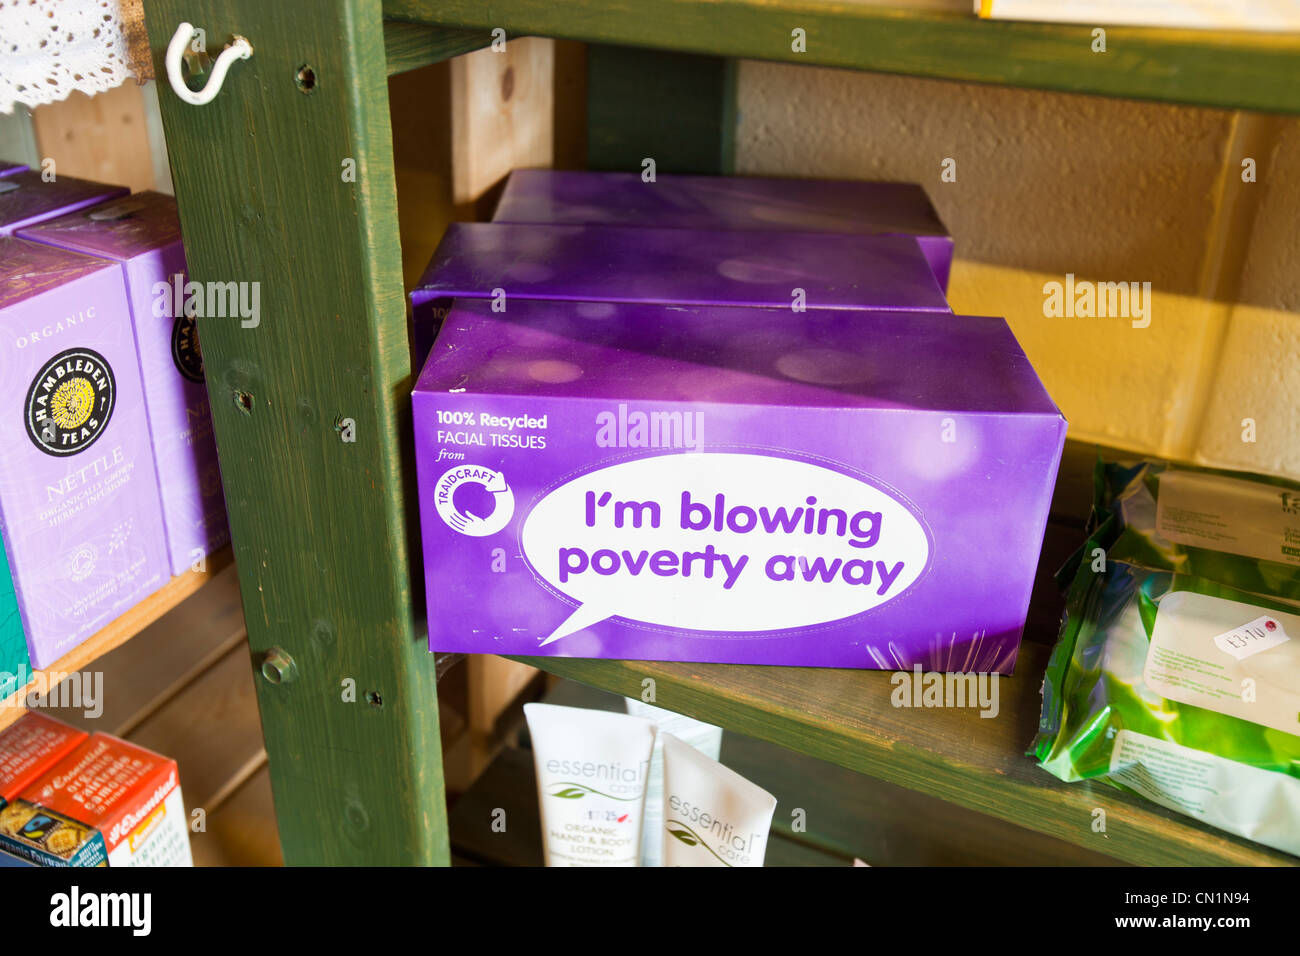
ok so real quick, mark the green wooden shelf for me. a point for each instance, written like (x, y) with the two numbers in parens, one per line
(845, 717)
(1252, 71)
(842, 815)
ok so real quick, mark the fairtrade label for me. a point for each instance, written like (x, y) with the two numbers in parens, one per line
(722, 542)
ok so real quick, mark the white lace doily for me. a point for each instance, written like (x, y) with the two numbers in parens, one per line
(48, 48)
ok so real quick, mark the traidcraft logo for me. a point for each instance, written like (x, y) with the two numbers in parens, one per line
(474, 500)
(70, 402)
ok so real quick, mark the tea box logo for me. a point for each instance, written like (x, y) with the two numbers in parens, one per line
(185, 348)
(70, 402)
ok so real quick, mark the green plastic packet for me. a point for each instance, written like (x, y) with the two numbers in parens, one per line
(1173, 676)
(1236, 528)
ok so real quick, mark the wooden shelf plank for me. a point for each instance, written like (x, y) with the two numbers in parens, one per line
(1211, 68)
(212, 730)
(158, 663)
(849, 815)
(242, 831)
(846, 717)
(846, 814)
(118, 632)
(409, 46)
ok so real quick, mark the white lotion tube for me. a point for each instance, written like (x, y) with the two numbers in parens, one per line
(712, 815)
(592, 767)
(706, 738)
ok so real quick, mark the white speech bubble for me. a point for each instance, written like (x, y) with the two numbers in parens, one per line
(613, 541)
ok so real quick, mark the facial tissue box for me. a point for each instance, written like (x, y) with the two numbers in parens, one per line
(827, 489)
(600, 265)
(729, 202)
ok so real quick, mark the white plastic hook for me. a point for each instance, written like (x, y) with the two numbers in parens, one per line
(238, 49)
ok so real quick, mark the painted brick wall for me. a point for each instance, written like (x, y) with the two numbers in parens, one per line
(1107, 190)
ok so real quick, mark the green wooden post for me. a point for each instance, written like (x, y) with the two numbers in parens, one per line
(310, 406)
(676, 108)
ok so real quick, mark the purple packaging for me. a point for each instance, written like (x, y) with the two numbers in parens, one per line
(859, 489)
(143, 233)
(729, 202)
(79, 509)
(26, 198)
(8, 169)
(506, 261)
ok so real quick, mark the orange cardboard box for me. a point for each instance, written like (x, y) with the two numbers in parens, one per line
(30, 746)
(107, 803)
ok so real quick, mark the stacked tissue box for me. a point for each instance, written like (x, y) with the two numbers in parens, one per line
(654, 425)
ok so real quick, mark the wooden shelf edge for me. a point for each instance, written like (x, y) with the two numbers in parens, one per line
(409, 46)
(967, 772)
(120, 630)
(1223, 69)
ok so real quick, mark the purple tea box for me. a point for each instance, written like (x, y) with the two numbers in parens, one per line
(26, 198)
(729, 202)
(143, 233)
(604, 264)
(830, 488)
(79, 509)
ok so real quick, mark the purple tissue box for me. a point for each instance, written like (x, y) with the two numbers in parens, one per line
(26, 199)
(829, 488)
(671, 267)
(79, 510)
(729, 202)
(143, 233)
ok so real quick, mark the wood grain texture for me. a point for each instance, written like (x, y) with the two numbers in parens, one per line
(322, 536)
(502, 108)
(104, 137)
(164, 658)
(116, 633)
(494, 684)
(409, 46)
(845, 717)
(422, 163)
(242, 831)
(1211, 68)
(210, 729)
